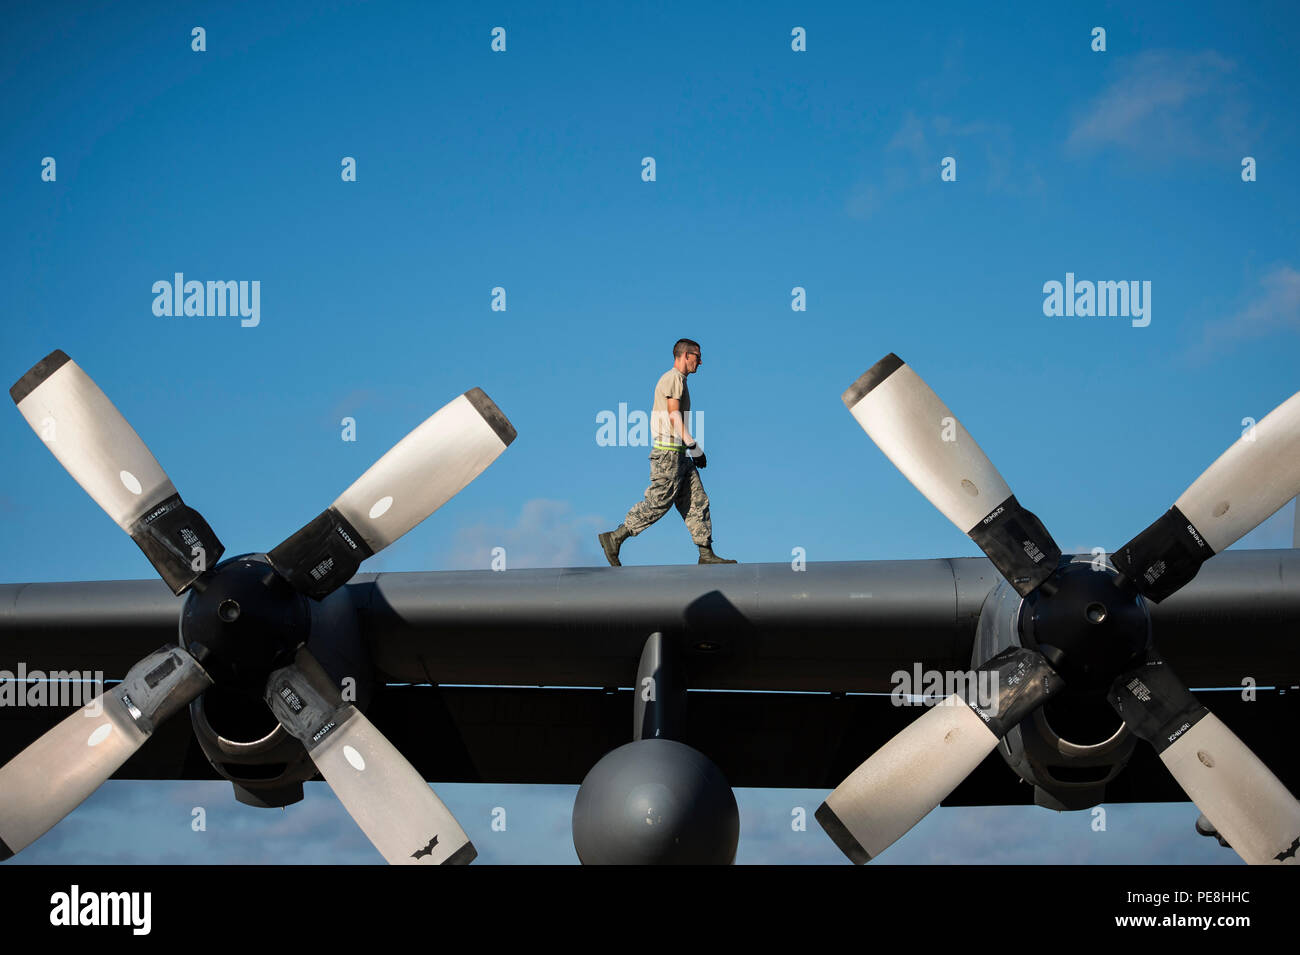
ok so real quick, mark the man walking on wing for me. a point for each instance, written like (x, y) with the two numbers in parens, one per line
(675, 461)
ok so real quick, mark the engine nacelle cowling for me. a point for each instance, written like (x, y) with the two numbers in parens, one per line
(230, 619)
(1070, 748)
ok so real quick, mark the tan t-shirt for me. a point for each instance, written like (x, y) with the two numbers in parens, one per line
(672, 384)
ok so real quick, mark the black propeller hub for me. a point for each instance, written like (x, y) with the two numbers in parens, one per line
(1088, 628)
(244, 621)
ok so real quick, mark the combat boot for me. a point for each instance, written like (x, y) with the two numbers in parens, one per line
(611, 541)
(708, 557)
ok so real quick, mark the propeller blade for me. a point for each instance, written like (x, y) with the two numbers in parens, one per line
(1235, 494)
(1251, 809)
(56, 774)
(925, 441)
(916, 770)
(417, 476)
(905, 779)
(101, 451)
(381, 791)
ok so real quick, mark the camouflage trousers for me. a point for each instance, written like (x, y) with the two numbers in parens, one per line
(674, 479)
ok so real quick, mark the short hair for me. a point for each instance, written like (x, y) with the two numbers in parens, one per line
(682, 345)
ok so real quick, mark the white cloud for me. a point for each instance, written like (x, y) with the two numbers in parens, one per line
(547, 533)
(863, 201)
(912, 156)
(1274, 308)
(911, 138)
(1164, 101)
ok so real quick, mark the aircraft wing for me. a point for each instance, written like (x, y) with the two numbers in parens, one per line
(525, 676)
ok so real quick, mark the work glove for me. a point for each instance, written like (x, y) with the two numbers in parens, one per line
(696, 454)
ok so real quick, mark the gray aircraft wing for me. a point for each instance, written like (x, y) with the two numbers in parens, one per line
(525, 676)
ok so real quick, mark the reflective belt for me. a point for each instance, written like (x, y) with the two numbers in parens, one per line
(679, 448)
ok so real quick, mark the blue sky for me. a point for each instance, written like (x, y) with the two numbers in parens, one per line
(523, 170)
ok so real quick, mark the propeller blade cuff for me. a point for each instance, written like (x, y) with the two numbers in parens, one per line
(1163, 557)
(306, 701)
(1018, 544)
(161, 684)
(321, 557)
(1024, 682)
(178, 542)
(1154, 703)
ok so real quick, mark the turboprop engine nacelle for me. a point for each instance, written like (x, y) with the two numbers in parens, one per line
(1070, 748)
(230, 619)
